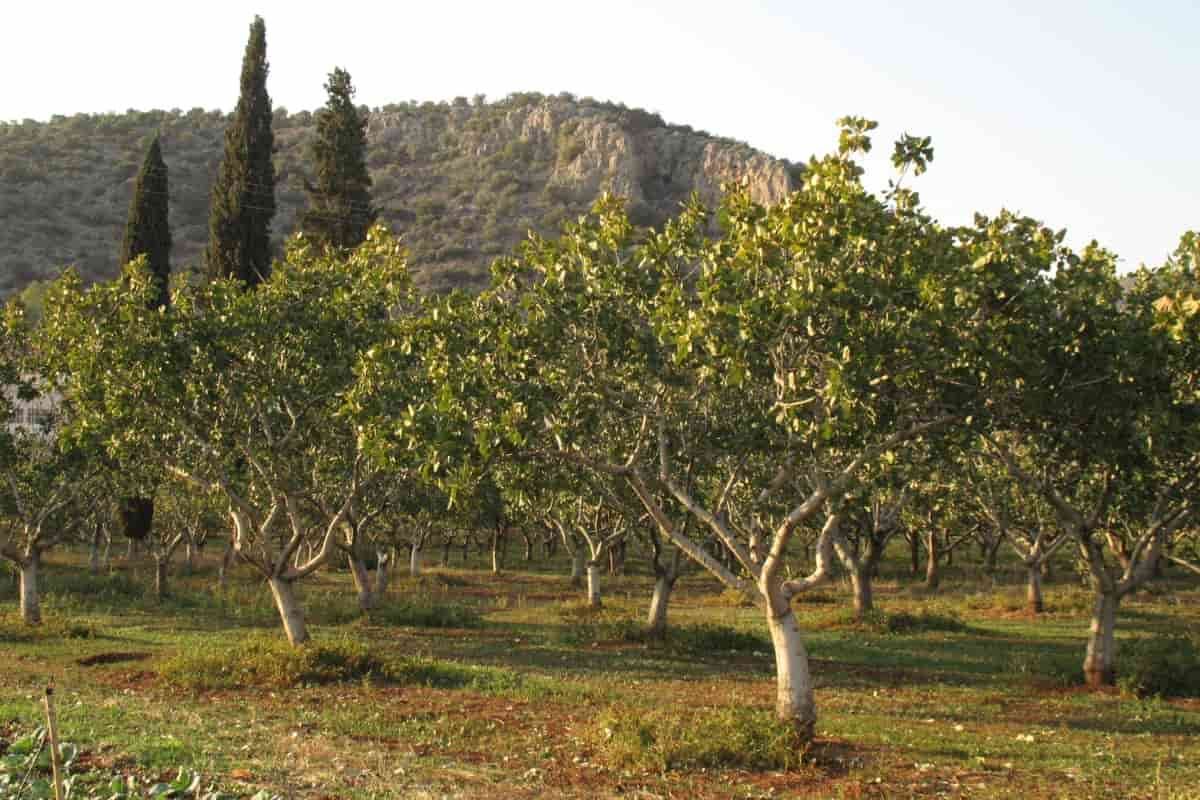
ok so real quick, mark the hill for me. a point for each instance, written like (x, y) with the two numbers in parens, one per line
(462, 181)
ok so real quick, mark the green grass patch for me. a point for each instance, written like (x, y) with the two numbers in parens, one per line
(13, 629)
(725, 738)
(1166, 666)
(423, 614)
(906, 623)
(259, 662)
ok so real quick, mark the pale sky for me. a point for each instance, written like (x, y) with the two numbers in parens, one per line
(1082, 114)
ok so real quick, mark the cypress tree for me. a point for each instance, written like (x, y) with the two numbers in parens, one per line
(147, 233)
(339, 209)
(243, 198)
(146, 230)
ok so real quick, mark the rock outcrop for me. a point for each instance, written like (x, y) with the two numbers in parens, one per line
(463, 182)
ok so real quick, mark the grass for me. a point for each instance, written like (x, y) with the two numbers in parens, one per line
(466, 684)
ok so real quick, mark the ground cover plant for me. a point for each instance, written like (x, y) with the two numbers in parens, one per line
(536, 699)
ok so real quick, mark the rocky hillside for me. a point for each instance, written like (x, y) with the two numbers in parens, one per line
(462, 181)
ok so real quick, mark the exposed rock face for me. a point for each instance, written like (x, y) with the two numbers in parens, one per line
(463, 182)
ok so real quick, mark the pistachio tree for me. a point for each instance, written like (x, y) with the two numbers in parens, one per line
(242, 393)
(45, 473)
(1097, 419)
(752, 378)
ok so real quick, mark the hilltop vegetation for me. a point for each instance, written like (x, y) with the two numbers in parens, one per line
(461, 181)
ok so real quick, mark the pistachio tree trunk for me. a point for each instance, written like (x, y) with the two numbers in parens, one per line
(383, 573)
(656, 620)
(593, 584)
(160, 576)
(31, 608)
(1033, 588)
(577, 566)
(933, 576)
(94, 550)
(794, 702)
(226, 562)
(290, 613)
(362, 582)
(414, 561)
(1099, 666)
(860, 585)
(189, 556)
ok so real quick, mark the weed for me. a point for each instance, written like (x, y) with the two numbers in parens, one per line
(900, 622)
(418, 614)
(713, 739)
(1160, 667)
(1042, 666)
(272, 663)
(269, 662)
(13, 629)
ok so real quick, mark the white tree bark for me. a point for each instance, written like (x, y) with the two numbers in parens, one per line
(794, 702)
(362, 582)
(289, 609)
(160, 576)
(1099, 665)
(1033, 588)
(383, 573)
(31, 609)
(414, 560)
(656, 620)
(593, 584)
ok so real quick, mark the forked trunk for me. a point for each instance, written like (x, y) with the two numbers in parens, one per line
(1099, 667)
(528, 547)
(445, 554)
(1033, 589)
(860, 584)
(593, 585)
(289, 609)
(31, 607)
(160, 577)
(414, 561)
(362, 582)
(794, 689)
(656, 620)
(383, 573)
(577, 564)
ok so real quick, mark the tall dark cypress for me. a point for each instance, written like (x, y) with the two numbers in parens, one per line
(148, 233)
(339, 209)
(243, 198)
(146, 230)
